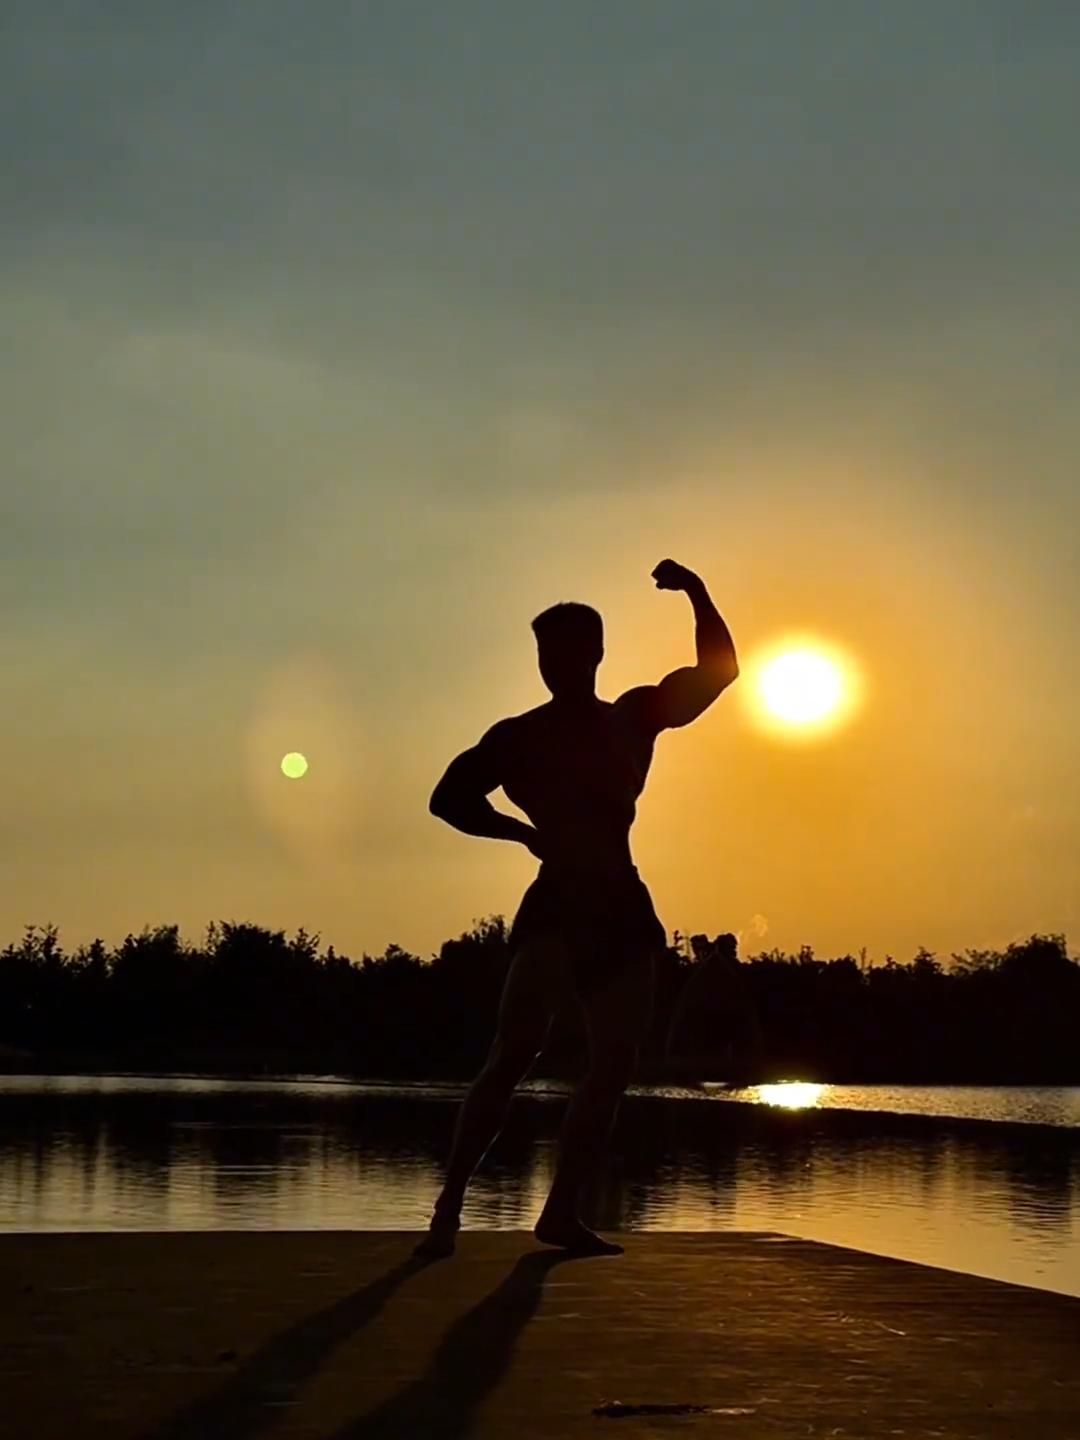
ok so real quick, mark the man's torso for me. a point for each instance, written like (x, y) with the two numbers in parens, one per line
(577, 775)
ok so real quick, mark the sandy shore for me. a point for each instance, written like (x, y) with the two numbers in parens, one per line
(342, 1337)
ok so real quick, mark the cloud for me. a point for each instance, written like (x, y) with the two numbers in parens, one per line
(503, 248)
(768, 160)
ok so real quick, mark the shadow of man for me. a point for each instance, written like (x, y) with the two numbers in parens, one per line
(472, 1358)
(249, 1402)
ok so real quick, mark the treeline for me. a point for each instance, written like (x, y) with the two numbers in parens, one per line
(251, 1000)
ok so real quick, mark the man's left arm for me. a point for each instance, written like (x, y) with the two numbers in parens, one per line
(686, 693)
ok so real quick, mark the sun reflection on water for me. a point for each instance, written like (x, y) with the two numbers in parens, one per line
(790, 1094)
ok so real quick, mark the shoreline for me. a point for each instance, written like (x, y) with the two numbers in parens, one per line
(731, 1099)
(25, 1063)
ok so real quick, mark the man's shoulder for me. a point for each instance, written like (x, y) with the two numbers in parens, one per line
(512, 727)
(638, 695)
(638, 707)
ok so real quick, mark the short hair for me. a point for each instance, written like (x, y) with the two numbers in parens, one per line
(569, 622)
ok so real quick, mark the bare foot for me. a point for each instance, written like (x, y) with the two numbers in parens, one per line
(441, 1238)
(574, 1237)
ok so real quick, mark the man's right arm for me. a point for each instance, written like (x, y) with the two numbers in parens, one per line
(460, 797)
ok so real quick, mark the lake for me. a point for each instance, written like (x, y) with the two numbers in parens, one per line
(985, 1181)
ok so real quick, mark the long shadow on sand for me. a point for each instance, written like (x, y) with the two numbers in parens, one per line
(472, 1358)
(248, 1403)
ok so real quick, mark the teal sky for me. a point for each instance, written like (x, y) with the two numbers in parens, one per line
(339, 339)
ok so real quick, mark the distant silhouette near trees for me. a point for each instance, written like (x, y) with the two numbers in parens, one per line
(250, 1000)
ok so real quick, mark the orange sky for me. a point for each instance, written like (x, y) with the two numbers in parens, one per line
(316, 399)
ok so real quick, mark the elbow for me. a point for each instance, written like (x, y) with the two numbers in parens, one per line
(448, 804)
(725, 671)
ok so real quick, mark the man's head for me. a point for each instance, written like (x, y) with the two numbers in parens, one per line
(570, 646)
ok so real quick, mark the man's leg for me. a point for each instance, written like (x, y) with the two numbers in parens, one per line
(538, 980)
(618, 1020)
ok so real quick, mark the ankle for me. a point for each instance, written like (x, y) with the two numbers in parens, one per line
(558, 1214)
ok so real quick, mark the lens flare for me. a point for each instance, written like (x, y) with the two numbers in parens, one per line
(317, 815)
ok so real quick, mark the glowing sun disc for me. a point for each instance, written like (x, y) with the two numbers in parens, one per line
(801, 687)
(294, 765)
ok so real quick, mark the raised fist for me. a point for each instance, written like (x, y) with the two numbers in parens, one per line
(670, 575)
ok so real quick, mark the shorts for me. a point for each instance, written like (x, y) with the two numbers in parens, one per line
(607, 922)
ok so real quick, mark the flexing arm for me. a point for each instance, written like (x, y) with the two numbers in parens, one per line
(684, 694)
(460, 797)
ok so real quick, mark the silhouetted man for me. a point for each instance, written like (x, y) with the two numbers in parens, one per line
(586, 930)
(716, 1007)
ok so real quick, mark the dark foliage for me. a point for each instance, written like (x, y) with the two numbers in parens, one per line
(251, 1000)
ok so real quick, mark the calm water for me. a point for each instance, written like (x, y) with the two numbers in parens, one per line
(985, 1181)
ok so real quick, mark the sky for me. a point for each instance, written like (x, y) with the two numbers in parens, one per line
(339, 339)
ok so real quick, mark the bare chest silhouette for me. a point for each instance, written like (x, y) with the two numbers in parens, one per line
(578, 769)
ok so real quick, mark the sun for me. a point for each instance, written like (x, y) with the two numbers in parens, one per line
(803, 688)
